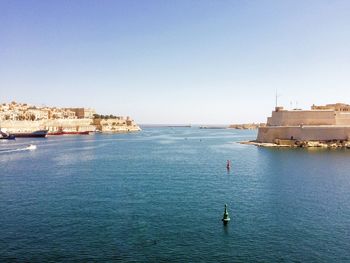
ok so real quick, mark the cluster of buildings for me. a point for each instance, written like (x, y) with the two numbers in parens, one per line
(22, 117)
(22, 111)
(335, 107)
(326, 123)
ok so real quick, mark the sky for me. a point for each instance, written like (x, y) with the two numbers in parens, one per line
(176, 61)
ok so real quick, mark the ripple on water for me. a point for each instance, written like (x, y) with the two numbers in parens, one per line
(158, 195)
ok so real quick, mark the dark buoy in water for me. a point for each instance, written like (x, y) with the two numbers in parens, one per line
(226, 217)
(228, 165)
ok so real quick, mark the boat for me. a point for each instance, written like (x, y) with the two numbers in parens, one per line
(58, 131)
(6, 136)
(76, 132)
(63, 132)
(55, 133)
(38, 134)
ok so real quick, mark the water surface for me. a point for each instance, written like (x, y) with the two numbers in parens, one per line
(159, 195)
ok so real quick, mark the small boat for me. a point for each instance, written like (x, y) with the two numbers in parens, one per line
(39, 133)
(6, 136)
(76, 132)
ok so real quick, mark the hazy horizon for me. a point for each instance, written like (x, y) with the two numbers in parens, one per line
(176, 62)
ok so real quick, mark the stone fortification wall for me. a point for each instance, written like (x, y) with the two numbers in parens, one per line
(21, 126)
(306, 125)
(313, 117)
(51, 125)
(304, 133)
(296, 118)
(70, 125)
(342, 118)
(116, 125)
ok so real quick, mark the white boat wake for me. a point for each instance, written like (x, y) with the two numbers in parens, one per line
(30, 147)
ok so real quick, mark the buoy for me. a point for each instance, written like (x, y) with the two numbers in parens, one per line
(226, 217)
(228, 165)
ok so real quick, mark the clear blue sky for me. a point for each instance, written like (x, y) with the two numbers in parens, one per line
(175, 61)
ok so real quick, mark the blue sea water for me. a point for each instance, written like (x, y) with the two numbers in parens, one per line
(159, 195)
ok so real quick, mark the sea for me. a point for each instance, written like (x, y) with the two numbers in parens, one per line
(159, 195)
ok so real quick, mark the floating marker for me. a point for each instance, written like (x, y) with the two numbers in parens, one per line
(226, 217)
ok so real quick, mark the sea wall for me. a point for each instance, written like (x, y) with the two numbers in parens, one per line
(70, 125)
(116, 125)
(51, 125)
(303, 133)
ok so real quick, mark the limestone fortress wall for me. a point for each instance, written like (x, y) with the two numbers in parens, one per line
(119, 124)
(22, 117)
(307, 125)
(304, 133)
(51, 125)
(297, 117)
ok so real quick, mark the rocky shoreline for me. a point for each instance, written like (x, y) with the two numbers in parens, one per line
(301, 144)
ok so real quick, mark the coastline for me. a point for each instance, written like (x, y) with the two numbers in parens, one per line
(60, 126)
(300, 144)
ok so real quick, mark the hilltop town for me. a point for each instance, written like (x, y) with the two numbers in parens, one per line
(22, 117)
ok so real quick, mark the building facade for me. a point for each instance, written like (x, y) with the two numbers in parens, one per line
(335, 107)
(83, 113)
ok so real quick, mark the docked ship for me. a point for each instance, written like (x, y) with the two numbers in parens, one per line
(76, 132)
(55, 133)
(39, 133)
(62, 132)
